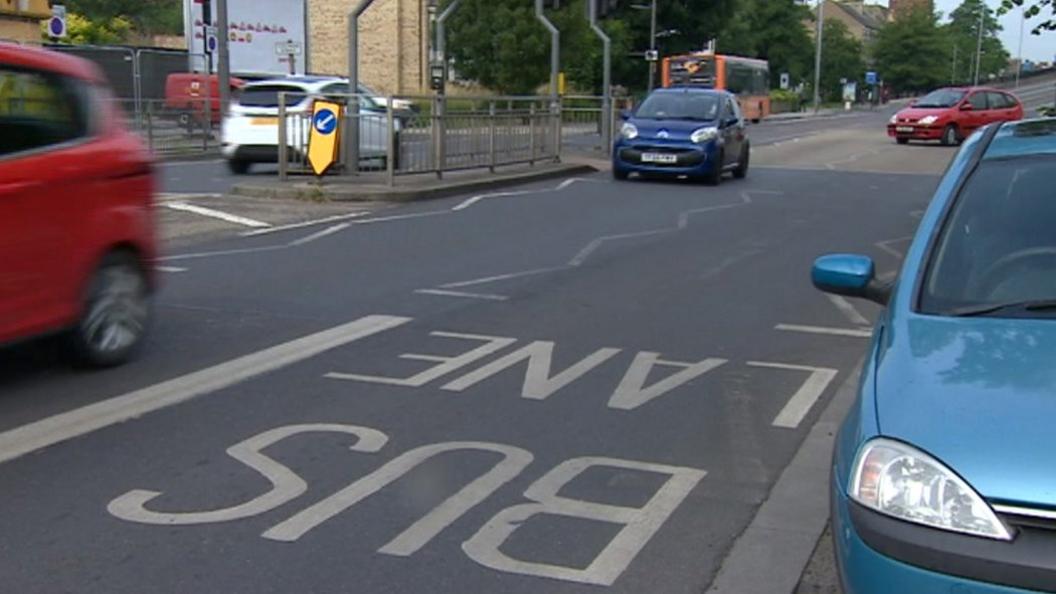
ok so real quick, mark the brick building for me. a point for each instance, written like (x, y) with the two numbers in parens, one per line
(393, 43)
(20, 19)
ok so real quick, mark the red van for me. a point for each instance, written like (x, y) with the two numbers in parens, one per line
(950, 115)
(186, 91)
(76, 209)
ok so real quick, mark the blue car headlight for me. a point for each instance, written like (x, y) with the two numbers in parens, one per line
(702, 135)
(900, 481)
(629, 131)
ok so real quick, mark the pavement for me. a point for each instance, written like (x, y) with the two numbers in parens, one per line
(569, 385)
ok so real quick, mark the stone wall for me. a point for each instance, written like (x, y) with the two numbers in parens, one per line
(391, 43)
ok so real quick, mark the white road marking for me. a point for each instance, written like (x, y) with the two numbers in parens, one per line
(164, 197)
(539, 384)
(215, 214)
(593, 246)
(234, 252)
(888, 248)
(313, 223)
(447, 293)
(848, 310)
(171, 269)
(638, 524)
(632, 393)
(501, 277)
(286, 485)
(445, 364)
(321, 234)
(851, 332)
(84, 420)
(475, 199)
(421, 532)
(803, 400)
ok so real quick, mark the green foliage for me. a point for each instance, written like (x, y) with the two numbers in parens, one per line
(784, 95)
(499, 44)
(1034, 8)
(146, 16)
(912, 53)
(83, 31)
(842, 58)
(963, 31)
(772, 30)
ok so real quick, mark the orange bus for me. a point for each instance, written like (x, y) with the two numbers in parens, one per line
(747, 78)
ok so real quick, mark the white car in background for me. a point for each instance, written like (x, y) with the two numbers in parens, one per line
(251, 130)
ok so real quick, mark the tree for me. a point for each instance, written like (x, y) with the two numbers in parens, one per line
(146, 16)
(1033, 9)
(842, 58)
(772, 30)
(963, 32)
(500, 44)
(912, 52)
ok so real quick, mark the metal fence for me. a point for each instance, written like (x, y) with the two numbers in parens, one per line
(410, 135)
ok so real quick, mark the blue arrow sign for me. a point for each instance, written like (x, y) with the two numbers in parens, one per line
(325, 122)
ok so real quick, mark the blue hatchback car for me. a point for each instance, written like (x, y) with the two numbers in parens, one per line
(693, 132)
(944, 472)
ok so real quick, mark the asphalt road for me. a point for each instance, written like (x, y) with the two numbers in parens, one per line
(589, 385)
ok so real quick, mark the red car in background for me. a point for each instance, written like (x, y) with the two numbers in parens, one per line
(76, 209)
(187, 91)
(950, 115)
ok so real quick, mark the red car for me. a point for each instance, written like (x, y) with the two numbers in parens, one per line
(186, 92)
(76, 209)
(950, 115)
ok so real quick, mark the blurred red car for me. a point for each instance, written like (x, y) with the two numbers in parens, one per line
(76, 209)
(950, 115)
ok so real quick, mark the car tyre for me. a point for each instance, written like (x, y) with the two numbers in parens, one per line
(715, 177)
(238, 166)
(115, 314)
(742, 165)
(619, 174)
(950, 137)
(902, 140)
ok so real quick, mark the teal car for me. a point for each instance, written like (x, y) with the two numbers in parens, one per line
(944, 471)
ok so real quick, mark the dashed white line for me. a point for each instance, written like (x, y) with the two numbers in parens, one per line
(586, 252)
(321, 234)
(87, 419)
(447, 293)
(171, 269)
(215, 214)
(500, 277)
(312, 223)
(851, 332)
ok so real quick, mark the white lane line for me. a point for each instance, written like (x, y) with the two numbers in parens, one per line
(235, 252)
(851, 332)
(446, 293)
(848, 310)
(312, 223)
(170, 269)
(183, 196)
(500, 277)
(215, 214)
(475, 199)
(593, 246)
(84, 420)
(803, 400)
(886, 246)
(320, 234)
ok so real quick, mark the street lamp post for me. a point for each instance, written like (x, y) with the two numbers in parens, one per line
(652, 45)
(979, 44)
(1019, 59)
(817, 56)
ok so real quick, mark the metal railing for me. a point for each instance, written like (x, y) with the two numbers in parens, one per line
(410, 135)
(171, 130)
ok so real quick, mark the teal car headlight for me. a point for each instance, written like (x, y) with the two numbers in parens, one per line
(900, 481)
(702, 135)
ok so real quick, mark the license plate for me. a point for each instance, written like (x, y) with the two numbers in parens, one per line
(659, 158)
(264, 122)
(908, 129)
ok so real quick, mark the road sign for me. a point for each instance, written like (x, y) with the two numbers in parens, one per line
(57, 22)
(870, 77)
(288, 48)
(325, 136)
(212, 44)
(786, 81)
(652, 55)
